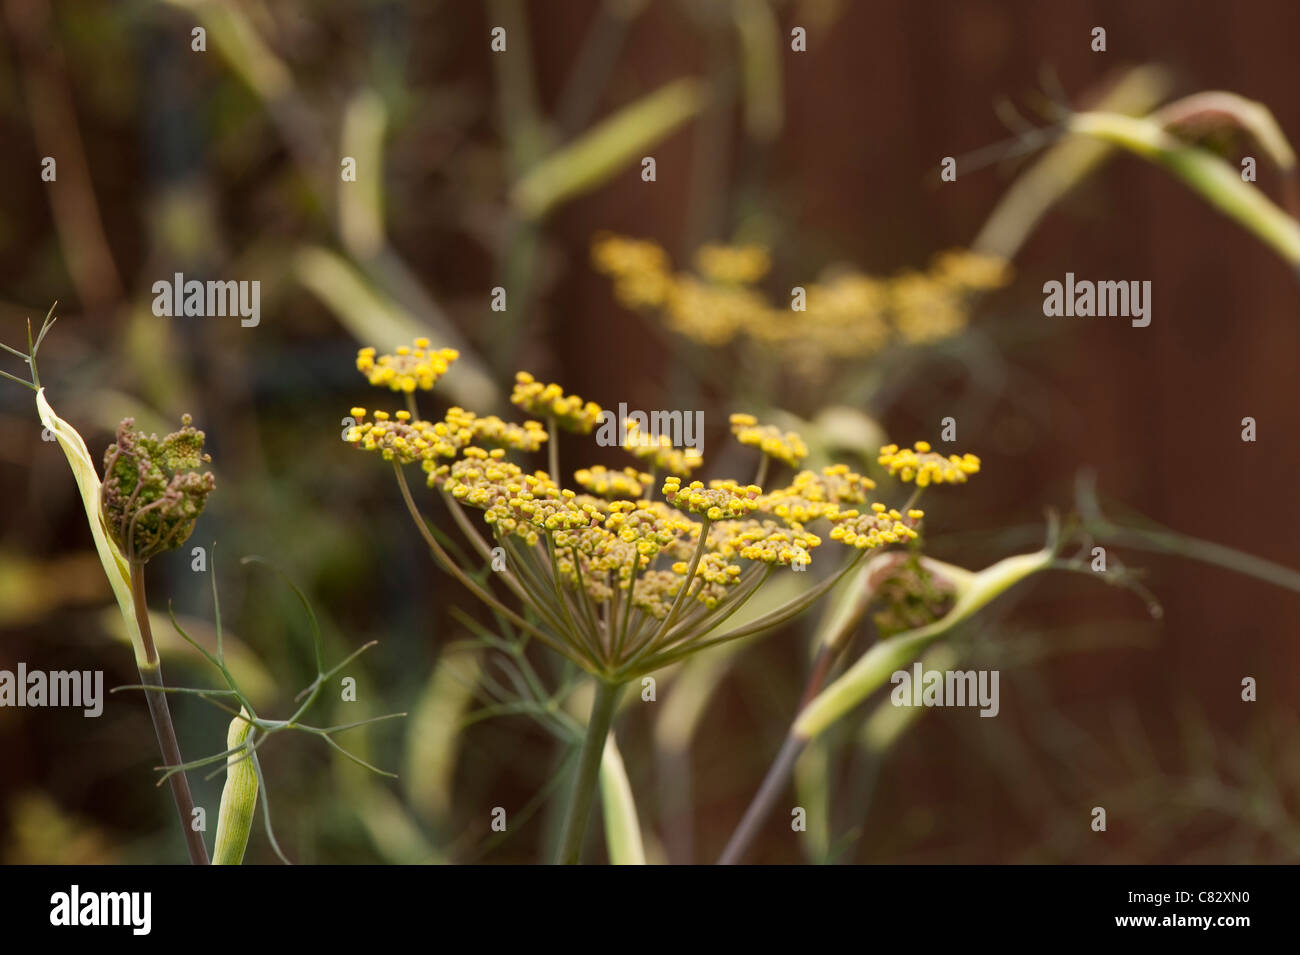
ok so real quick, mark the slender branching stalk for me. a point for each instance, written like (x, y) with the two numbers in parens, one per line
(151, 677)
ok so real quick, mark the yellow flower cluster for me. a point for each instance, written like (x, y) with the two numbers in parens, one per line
(927, 467)
(628, 483)
(401, 438)
(646, 526)
(550, 508)
(635, 534)
(925, 310)
(465, 427)
(874, 528)
(714, 314)
(656, 591)
(715, 574)
(409, 367)
(970, 271)
(514, 502)
(641, 269)
(787, 447)
(549, 401)
(659, 451)
(721, 500)
(815, 494)
(480, 478)
(618, 545)
(714, 568)
(529, 436)
(733, 265)
(767, 542)
(847, 314)
(603, 558)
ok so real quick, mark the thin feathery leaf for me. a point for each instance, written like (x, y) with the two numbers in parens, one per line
(171, 612)
(22, 381)
(356, 759)
(348, 726)
(266, 812)
(302, 598)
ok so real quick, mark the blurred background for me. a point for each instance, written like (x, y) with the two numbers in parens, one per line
(478, 169)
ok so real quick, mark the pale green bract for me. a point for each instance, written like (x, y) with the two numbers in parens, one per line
(115, 564)
(622, 826)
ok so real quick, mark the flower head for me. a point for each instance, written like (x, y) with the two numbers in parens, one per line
(926, 311)
(970, 271)
(408, 368)
(721, 500)
(152, 491)
(787, 447)
(713, 314)
(874, 528)
(640, 269)
(649, 527)
(529, 436)
(715, 574)
(767, 542)
(549, 401)
(479, 478)
(628, 483)
(620, 582)
(815, 494)
(406, 440)
(660, 451)
(846, 313)
(925, 466)
(733, 264)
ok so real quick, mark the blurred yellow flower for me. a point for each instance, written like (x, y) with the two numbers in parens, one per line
(769, 439)
(408, 368)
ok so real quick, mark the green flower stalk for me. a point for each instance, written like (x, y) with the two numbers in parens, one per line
(1217, 181)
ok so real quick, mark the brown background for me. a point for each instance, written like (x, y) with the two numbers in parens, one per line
(883, 92)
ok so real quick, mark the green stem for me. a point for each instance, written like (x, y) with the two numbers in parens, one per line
(584, 787)
(161, 714)
(778, 774)
(700, 548)
(575, 632)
